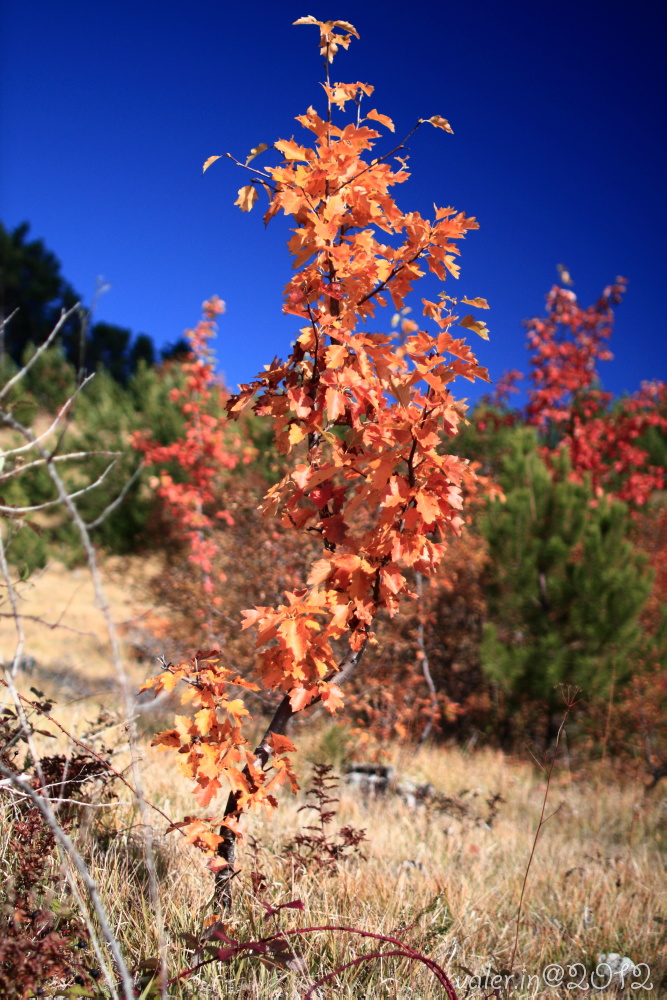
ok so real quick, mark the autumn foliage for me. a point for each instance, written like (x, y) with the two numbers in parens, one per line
(566, 403)
(359, 415)
(201, 454)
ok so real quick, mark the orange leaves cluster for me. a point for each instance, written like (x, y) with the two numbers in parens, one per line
(362, 414)
(338, 201)
(329, 40)
(211, 744)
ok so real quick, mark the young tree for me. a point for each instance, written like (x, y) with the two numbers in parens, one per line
(361, 415)
(606, 444)
(204, 449)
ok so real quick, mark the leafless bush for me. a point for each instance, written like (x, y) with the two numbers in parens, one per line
(50, 785)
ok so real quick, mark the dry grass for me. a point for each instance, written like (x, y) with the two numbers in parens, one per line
(447, 884)
(594, 885)
(66, 642)
(450, 885)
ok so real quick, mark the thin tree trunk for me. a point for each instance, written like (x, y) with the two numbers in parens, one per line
(424, 661)
(227, 848)
(222, 897)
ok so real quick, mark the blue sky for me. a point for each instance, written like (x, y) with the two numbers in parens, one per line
(109, 108)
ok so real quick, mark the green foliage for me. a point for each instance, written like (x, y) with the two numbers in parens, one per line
(654, 442)
(103, 418)
(51, 380)
(106, 416)
(565, 586)
(268, 463)
(27, 548)
(34, 292)
(486, 439)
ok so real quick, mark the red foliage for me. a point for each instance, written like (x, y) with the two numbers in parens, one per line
(566, 345)
(505, 386)
(205, 449)
(602, 441)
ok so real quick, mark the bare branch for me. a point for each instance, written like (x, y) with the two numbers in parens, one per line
(123, 683)
(20, 469)
(27, 433)
(110, 508)
(89, 750)
(65, 315)
(13, 511)
(66, 499)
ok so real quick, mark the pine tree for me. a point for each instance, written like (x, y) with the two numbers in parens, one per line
(565, 584)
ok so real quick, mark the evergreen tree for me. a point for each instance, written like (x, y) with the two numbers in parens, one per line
(108, 346)
(33, 289)
(34, 292)
(51, 379)
(565, 585)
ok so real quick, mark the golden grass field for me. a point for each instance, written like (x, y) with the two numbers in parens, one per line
(445, 881)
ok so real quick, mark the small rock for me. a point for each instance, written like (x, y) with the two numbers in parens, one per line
(620, 967)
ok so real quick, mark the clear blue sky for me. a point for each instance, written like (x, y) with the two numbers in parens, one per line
(110, 107)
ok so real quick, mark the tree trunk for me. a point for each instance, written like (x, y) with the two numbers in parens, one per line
(222, 896)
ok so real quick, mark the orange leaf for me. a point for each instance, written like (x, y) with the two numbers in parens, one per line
(283, 771)
(470, 323)
(319, 571)
(334, 529)
(253, 616)
(477, 301)
(236, 709)
(247, 197)
(207, 163)
(348, 562)
(206, 791)
(237, 780)
(383, 119)
(296, 434)
(393, 579)
(401, 391)
(205, 720)
(280, 744)
(335, 403)
(255, 151)
(214, 865)
(208, 765)
(170, 738)
(439, 122)
(295, 635)
(336, 355)
(208, 654)
(169, 680)
(346, 26)
(300, 697)
(292, 150)
(332, 697)
(428, 507)
(185, 727)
